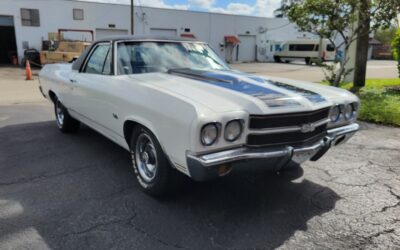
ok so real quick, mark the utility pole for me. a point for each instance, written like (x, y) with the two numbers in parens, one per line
(320, 49)
(132, 17)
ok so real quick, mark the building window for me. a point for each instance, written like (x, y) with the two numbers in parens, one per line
(78, 14)
(30, 17)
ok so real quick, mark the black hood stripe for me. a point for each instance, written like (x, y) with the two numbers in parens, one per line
(270, 97)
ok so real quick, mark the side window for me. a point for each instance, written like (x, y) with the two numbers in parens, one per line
(99, 62)
(301, 47)
(330, 48)
(107, 64)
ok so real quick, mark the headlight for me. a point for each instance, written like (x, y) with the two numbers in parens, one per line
(334, 115)
(209, 134)
(233, 130)
(348, 111)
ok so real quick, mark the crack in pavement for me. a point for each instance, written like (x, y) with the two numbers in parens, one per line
(385, 208)
(334, 180)
(44, 176)
(363, 147)
(377, 234)
(94, 227)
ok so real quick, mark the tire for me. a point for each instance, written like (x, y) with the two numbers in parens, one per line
(308, 61)
(277, 59)
(152, 168)
(65, 122)
(287, 61)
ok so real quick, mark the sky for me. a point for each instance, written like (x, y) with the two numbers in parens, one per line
(263, 8)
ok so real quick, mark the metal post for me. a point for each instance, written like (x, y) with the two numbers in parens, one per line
(132, 17)
(320, 48)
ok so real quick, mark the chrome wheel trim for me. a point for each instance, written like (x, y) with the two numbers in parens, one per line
(146, 157)
(59, 114)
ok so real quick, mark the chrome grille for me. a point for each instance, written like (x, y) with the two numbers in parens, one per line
(288, 129)
(287, 120)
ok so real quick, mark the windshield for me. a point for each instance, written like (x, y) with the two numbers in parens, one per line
(146, 57)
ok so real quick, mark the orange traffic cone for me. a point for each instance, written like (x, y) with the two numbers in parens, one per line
(28, 71)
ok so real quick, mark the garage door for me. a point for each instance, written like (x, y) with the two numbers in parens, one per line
(8, 46)
(102, 33)
(247, 48)
(163, 32)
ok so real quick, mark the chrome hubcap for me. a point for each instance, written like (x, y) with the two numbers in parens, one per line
(59, 114)
(146, 157)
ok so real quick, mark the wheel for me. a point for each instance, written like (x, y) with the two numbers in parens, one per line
(277, 59)
(152, 168)
(308, 61)
(287, 61)
(65, 122)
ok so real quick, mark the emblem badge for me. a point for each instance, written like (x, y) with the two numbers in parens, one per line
(307, 128)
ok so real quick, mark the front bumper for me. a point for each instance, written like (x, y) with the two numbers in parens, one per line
(212, 165)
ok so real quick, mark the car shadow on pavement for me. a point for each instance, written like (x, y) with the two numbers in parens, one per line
(78, 192)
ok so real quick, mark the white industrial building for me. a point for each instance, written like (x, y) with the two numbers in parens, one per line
(26, 23)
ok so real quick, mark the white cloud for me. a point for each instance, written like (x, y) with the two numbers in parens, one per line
(148, 3)
(205, 4)
(240, 8)
(234, 8)
(161, 4)
(266, 7)
(263, 8)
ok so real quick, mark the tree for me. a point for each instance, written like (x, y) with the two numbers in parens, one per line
(349, 19)
(396, 49)
(373, 14)
(386, 36)
(285, 5)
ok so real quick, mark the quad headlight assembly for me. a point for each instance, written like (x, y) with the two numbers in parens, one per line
(343, 113)
(232, 131)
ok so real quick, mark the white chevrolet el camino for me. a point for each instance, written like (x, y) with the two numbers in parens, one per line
(177, 107)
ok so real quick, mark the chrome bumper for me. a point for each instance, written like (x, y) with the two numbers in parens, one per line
(200, 165)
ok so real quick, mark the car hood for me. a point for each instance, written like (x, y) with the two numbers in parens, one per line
(228, 90)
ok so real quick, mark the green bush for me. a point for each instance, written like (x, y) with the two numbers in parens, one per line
(396, 49)
(380, 101)
(380, 106)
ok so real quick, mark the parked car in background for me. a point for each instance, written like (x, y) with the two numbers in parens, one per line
(180, 110)
(307, 50)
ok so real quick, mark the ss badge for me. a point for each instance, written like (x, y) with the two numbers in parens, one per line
(306, 128)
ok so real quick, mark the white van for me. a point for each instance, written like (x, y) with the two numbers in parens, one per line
(307, 50)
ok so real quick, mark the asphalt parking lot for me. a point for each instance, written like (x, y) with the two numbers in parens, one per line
(78, 192)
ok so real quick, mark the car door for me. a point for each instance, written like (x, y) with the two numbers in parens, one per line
(93, 99)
